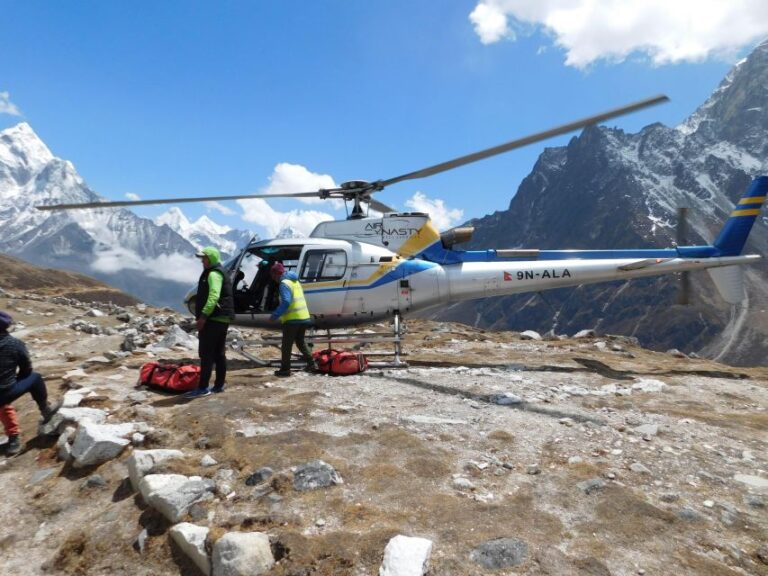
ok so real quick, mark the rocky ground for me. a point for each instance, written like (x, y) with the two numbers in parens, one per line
(584, 456)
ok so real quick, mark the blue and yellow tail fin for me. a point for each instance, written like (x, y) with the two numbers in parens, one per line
(734, 234)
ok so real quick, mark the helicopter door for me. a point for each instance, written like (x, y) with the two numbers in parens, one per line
(322, 274)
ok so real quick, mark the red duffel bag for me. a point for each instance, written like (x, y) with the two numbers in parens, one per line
(170, 377)
(340, 362)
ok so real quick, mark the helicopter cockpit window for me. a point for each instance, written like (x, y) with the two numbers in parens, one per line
(287, 255)
(323, 265)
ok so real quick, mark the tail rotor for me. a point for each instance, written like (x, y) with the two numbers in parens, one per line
(684, 286)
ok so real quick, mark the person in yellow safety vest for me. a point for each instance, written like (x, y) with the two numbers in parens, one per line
(294, 316)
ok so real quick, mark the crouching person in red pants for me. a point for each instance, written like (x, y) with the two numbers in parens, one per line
(17, 378)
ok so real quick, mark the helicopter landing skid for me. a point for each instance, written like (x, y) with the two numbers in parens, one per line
(335, 339)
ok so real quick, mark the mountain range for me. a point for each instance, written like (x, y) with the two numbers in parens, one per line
(611, 189)
(605, 189)
(153, 261)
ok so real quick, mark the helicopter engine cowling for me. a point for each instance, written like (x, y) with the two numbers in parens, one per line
(456, 236)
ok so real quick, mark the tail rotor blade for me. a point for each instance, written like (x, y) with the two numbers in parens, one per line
(684, 286)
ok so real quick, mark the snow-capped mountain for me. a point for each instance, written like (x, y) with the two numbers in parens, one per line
(205, 232)
(610, 189)
(289, 232)
(151, 262)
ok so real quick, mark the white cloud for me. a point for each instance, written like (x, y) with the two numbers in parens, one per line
(490, 23)
(261, 213)
(288, 178)
(174, 266)
(8, 107)
(665, 31)
(442, 216)
(219, 207)
(131, 196)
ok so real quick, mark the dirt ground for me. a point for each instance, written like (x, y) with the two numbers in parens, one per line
(602, 457)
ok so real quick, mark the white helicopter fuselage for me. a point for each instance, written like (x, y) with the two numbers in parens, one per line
(373, 268)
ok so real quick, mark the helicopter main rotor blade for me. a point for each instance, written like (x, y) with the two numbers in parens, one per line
(501, 148)
(378, 206)
(119, 203)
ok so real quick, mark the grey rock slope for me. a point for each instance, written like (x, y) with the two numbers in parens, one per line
(610, 189)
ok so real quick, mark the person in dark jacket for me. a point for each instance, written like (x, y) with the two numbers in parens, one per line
(294, 316)
(17, 378)
(259, 286)
(214, 310)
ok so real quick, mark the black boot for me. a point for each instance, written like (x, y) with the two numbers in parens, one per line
(14, 445)
(49, 411)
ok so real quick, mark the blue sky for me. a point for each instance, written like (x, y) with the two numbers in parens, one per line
(165, 99)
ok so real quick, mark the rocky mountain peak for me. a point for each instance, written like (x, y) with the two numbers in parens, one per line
(736, 111)
(175, 219)
(607, 189)
(22, 153)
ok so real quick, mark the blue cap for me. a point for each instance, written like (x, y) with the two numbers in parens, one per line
(5, 320)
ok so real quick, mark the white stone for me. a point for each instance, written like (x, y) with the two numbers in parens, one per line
(754, 481)
(647, 430)
(175, 337)
(639, 468)
(423, 419)
(463, 484)
(530, 335)
(173, 494)
(506, 399)
(649, 385)
(76, 415)
(76, 374)
(208, 460)
(589, 333)
(73, 398)
(143, 462)
(242, 554)
(190, 538)
(97, 443)
(406, 556)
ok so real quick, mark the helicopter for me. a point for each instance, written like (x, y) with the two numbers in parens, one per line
(366, 269)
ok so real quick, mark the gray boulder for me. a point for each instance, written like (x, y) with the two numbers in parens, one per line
(173, 494)
(315, 474)
(190, 538)
(500, 553)
(143, 462)
(97, 443)
(242, 554)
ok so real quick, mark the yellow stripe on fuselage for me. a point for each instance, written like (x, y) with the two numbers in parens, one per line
(753, 212)
(753, 200)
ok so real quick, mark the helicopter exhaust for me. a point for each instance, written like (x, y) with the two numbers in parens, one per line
(456, 236)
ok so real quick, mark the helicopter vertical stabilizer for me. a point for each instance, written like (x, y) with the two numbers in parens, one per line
(733, 236)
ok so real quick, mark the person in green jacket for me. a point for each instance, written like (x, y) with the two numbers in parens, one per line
(214, 310)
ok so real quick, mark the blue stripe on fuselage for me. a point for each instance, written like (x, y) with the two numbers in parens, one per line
(436, 253)
(402, 270)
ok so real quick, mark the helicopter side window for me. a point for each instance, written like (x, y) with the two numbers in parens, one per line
(323, 265)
